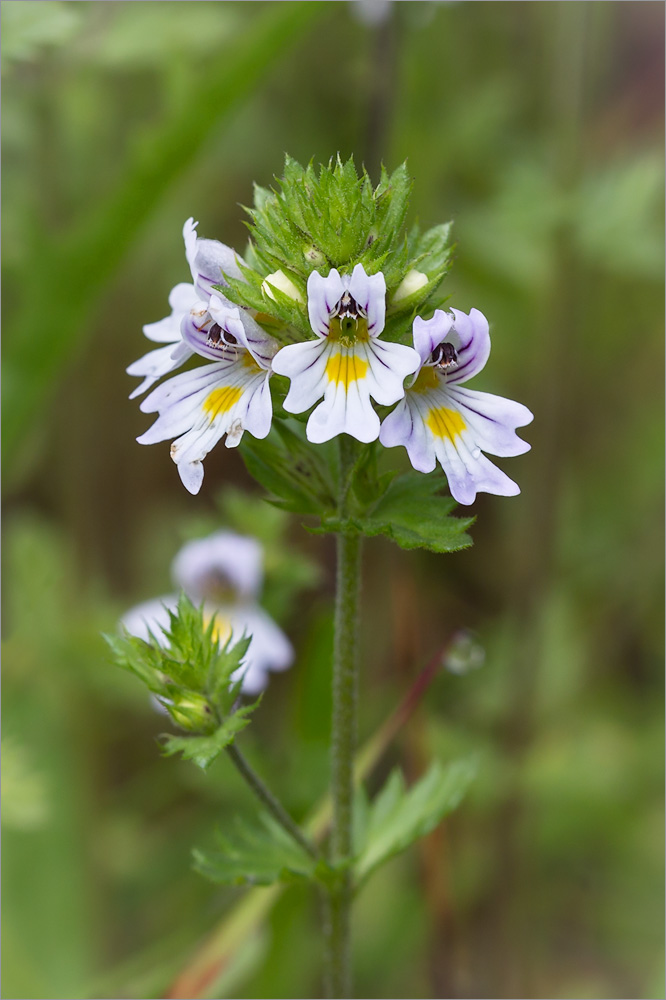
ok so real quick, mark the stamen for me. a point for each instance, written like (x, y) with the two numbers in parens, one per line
(444, 356)
(348, 312)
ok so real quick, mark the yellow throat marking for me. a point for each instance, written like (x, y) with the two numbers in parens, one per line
(427, 379)
(221, 400)
(346, 368)
(221, 629)
(445, 423)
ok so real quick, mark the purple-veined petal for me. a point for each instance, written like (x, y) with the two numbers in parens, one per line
(389, 365)
(369, 291)
(471, 338)
(209, 260)
(305, 365)
(343, 410)
(154, 365)
(245, 329)
(431, 332)
(492, 420)
(469, 472)
(323, 296)
(404, 426)
(199, 407)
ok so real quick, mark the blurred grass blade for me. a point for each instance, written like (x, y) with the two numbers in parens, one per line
(72, 272)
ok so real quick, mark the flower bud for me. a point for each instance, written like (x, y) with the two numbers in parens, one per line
(410, 284)
(280, 280)
(190, 711)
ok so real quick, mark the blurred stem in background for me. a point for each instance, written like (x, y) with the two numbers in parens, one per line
(565, 60)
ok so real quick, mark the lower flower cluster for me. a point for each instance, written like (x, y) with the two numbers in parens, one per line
(342, 369)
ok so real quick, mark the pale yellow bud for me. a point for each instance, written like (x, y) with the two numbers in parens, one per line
(411, 283)
(280, 280)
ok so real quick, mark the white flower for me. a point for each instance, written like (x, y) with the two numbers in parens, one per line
(347, 363)
(438, 420)
(224, 572)
(228, 397)
(208, 259)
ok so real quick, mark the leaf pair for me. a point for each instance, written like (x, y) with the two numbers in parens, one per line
(264, 854)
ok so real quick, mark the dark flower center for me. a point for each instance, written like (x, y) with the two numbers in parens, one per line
(444, 356)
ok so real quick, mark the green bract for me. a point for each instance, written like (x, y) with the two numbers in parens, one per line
(191, 676)
(315, 220)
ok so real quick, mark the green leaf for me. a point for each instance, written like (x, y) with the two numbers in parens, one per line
(203, 750)
(398, 817)
(297, 476)
(256, 855)
(412, 515)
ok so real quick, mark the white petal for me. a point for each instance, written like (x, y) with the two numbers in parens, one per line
(190, 238)
(344, 410)
(224, 554)
(405, 426)
(429, 333)
(191, 475)
(471, 338)
(470, 472)
(305, 365)
(492, 420)
(369, 291)
(323, 296)
(213, 260)
(153, 366)
(390, 364)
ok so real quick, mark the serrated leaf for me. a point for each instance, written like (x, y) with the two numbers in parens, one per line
(256, 855)
(296, 475)
(203, 750)
(412, 515)
(397, 817)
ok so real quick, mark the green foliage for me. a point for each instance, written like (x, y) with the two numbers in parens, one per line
(298, 477)
(397, 817)
(203, 750)
(334, 217)
(256, 855)
(191, 675)
(412, 515)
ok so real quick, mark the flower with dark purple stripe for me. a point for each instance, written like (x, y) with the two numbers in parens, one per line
(438, 420)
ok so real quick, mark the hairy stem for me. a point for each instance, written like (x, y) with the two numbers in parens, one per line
(345, 680)
(276, 809)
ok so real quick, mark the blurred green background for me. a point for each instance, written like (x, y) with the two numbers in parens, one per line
(537, 127)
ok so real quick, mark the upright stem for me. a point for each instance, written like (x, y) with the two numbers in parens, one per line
(345, 680)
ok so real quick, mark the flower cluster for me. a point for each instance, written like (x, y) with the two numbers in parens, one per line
(345, 366)
(223, 573)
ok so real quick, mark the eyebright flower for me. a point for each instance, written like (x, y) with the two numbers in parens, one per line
(347, 363)
(438, 420)
(208, 260)
(224, 572)
(228, 397)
